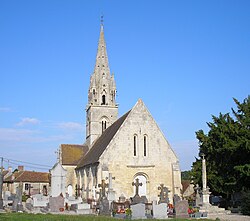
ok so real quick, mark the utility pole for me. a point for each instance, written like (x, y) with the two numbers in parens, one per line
(1, 185)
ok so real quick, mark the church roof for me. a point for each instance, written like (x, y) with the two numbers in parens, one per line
(101, 143)
(72, 153)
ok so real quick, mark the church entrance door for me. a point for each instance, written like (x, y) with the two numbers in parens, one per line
(143, 188)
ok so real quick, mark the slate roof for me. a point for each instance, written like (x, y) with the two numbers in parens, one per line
(101, 143)
(28, 176)
(72, 153)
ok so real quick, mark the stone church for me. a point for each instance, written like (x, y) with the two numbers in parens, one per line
(125, 148)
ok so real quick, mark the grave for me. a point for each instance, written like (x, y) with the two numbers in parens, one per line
(160, 211)
(72, 200)
(7, 198)
(29, 204)
(82, 208)
(17, 203)
(56, 204)
(111, 192)
(103, 203)
(181, 209)
(163, 194)
(137, 199)
(40, 201)
(138, 211)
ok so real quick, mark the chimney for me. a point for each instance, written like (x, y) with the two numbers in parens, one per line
(20, 168)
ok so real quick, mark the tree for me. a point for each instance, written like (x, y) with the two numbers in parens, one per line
(227, 151)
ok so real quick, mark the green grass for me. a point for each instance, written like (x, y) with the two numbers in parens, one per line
(51, 217)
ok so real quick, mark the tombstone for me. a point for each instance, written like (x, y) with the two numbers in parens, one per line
(29, 204)
(137, 199)
(122, 199)
(111, 192)
(81, 208)
(103, 186)
(160, 211)
(6, 195)
(6, 198)
(104, 207)
(163, 194)
(138, 211)
(40, 201)
(181, 209)
(78, 190)
(56, 204)
(176, 199)
(72, 200)
(58, 180)
(103, 203)
(17, 204)
(136, 184)
(198, 201)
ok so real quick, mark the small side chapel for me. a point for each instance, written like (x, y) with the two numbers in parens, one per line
(126, 149)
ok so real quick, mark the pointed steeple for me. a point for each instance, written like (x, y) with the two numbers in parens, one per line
(102, 110)
(102, 90)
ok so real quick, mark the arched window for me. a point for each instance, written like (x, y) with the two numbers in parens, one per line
(135, 144)
(145, 145)
(104, 125)
(103, 99)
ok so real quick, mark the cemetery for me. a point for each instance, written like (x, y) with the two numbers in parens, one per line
(136, 207)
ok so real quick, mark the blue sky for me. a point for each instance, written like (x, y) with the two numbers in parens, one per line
(185, 59)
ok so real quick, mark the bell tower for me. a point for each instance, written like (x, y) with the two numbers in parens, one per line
(102, 109)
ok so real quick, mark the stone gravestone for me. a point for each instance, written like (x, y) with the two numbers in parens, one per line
(56, 204)
(176, 199)
(104, 203)
(163, 194)
(160, 211)
(138, 211)
(39, 200)
(138, 199)
(111, 192)
(29, 204)
(198, 201)
(81, 208)
(17, 204)
(181, 209)
(6, 196)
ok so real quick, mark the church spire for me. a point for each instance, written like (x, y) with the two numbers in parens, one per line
(102, 90)
(101, 94)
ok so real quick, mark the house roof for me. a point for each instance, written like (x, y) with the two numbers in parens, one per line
(185, 185)
(28, 176)
(101, 143)
(72, 153)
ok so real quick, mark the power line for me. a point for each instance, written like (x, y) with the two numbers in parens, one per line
(34, 167)
(34, 164)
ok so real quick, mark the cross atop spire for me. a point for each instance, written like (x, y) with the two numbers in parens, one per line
(102, 22)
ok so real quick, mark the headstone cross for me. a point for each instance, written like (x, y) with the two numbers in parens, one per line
(103, 185)
(78, 189)
(163, 194)
(136, 184)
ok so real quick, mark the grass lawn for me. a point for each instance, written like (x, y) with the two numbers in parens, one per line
(51, 217)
